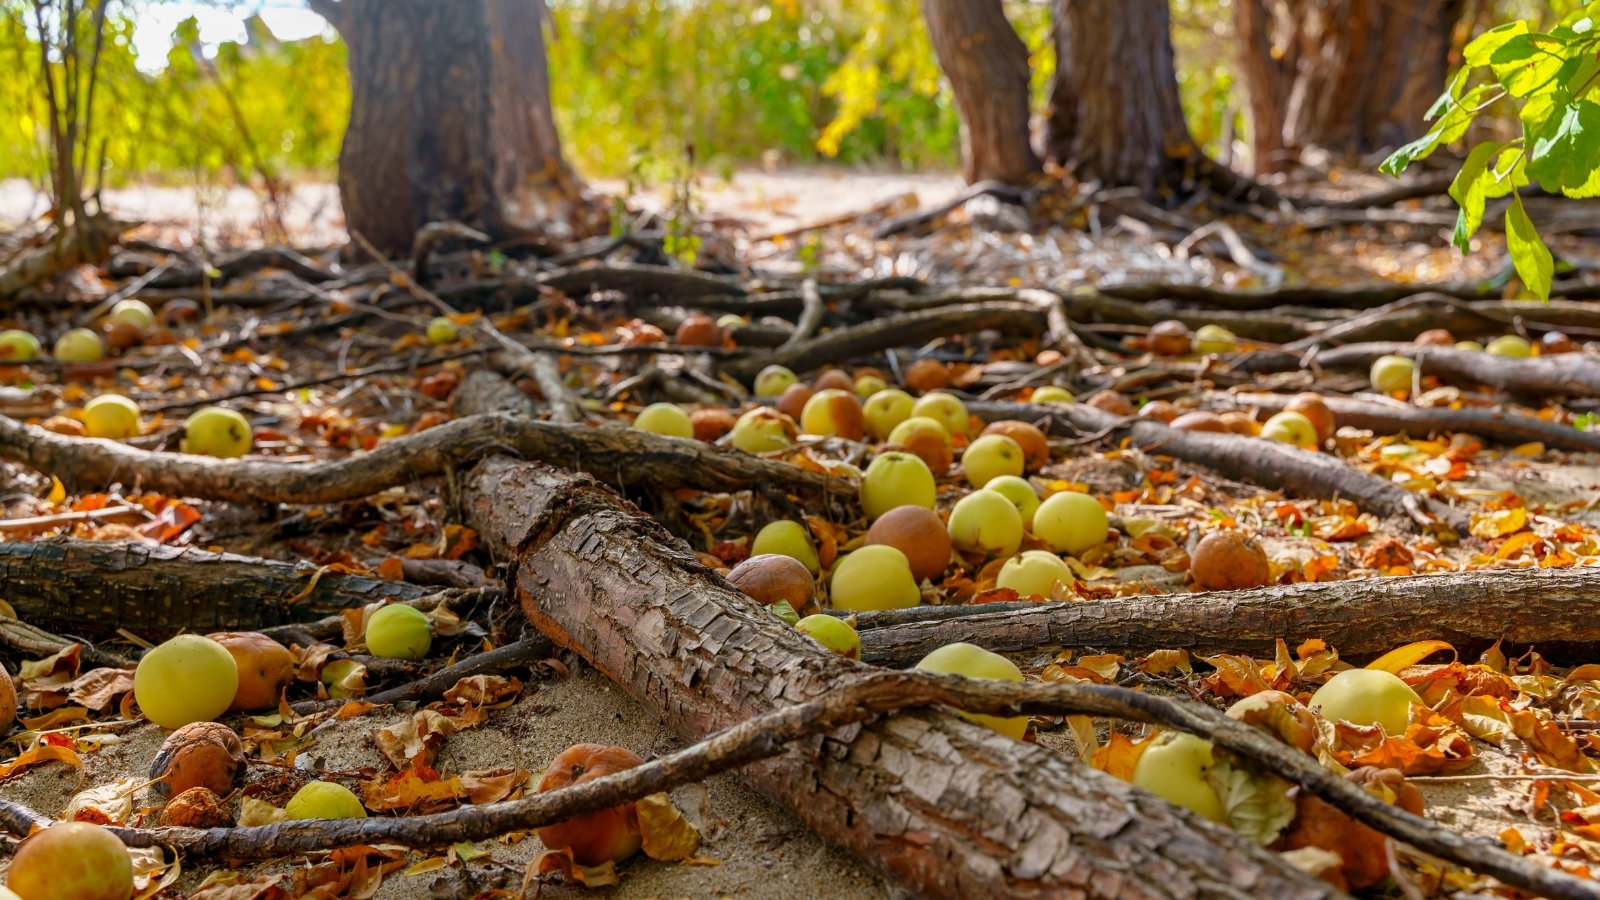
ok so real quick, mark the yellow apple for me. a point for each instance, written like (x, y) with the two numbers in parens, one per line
(1291, 428)
(946, 409)
(834, 413)
(991, 456)
(831, 632)
(442, 331)
(1367, 697)
(1051, 394)
(1469, 345)
(975, 662)
(1393, 374)
(867, 385)
(111, 416)
(17, 346)
(896, 478)
(187, 679)
(1035, 572)
(787, 537)
(927, 439)
(886, 410)
(985, 522)
(876, 576)
(763, 430)
(1174, 768)
(214, 431)
(1510, 346)
(80, 345)
(1021, 494)
(135, 312)
(665, 419)
(774, 380)
(1071, 522)
(1215, 339)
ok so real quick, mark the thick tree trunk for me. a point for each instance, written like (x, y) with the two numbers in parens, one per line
(450, 120)
(987, 65)
(1348, 76)
(1114, 108)
(948, 808)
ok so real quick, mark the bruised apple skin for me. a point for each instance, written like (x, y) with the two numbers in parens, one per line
(71, 861)
(834, 412)
(925, 438)
(610, 835)
(200, 754)
(774, 578)
(1035, 446)
(917, 532)
(266, 667)
(1229, 561)
(926, 375)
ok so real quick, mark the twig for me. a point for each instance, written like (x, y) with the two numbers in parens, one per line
(408, 365)
(810, 316)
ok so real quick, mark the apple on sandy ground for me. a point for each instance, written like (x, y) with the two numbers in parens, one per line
(610, 835)
(976, 662)
(71, 861)
(186, 679)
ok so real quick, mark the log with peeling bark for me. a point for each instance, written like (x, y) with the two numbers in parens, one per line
(948, 808)
(625, 457)
(1271, 464)
(1555, 610)
(1386, 416)
(1560, 375)
(96, 587)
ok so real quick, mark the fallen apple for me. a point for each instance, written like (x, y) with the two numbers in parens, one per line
(1393, 374)
(1035, 573)
(610, 835)
(111, 416)
(1229, 561)
(325, 800)
(1021, 494)
(1215, 339)
(975, 662)
(1367, 697)
(886, 410)
(1200, 420)
(442, 331)
(80, 345)
(1051, 394)
(789, 538)
(200, 754)
(1071, 522)
(769, 578)
(698, 331)
(774, 380)
(1291, 428)
(792, 402)
(17, 346)
(763, 430)
(1169, 338)
(398, 631)
(867, 385)
(833, 380)
(832, 412)
(214, 431)
(1035, 446)
(135, 312)
(265, 666)
(926, 375)
(896, 478)
(1174, 767)
(1510, 346)
(667, 419)
(833, 633)
(990, 457)
(186, 679)
(985, 522)
(946, 409)
(71, 861)
(1469, 346)
(920, 534)
(711, 424)
(1313, 407)
(926, 439)
(876, 576)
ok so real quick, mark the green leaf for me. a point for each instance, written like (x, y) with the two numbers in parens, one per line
(1509, 175)
(1479, 50)
(1566, 149)
(1532, 259)
(1451, 95)
(1470, 189)
(1450, 127)
(1528, 63)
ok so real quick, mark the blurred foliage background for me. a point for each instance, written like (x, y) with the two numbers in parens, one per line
(636, 82)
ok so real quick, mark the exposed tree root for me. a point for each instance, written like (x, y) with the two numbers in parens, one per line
(61, 254)
(95, 587)
(1557, 610)
(1267, 463)
(1352, 297)
(624, 457)
(1564, 374)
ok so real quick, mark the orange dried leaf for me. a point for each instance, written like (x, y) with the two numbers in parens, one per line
(667, 834)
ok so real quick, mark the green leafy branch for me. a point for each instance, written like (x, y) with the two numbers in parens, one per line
(1555, 77)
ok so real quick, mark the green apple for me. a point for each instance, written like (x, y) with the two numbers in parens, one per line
(214, 431)
(991, 456)
(325, 800)
(135, 312)
(1174, 768)
(1021, 494)
(946, 409)
(80, 345)
(1035, 572)
(787, 538)
(111, 416)
(833, 633)
(1367, 697)
(1051, 394)
(1291, 428)
(874, 577)
(398, 631)
(833, 412)
(1393, 374)
(17, 346)
(667, 419)
(1510, 346)
(442, 331)
(729, 321)
(985, 522)
(1071, 522)
(188, 678)
(774, 380)
(764, 430)
(975, 662)
(1469, 345)
(896, 478)
(886, 410)
(1215, 339)
(867, 385)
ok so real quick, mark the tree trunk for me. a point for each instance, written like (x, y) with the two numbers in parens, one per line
(987, 65)
(948, 808)
(450, 120)
(1114, 110)
(1347, 76)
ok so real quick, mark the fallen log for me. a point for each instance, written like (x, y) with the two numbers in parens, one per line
(1564, 374)
(1556, 610)
(1271, 464)
(624, 457)
(1404, 319)
(1385, 416)
(948, 808)
(95, 587)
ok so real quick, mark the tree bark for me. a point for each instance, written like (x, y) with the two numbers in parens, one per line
(1554, 610)
(987, 65)
(450, 120)
(1114, 109)
(1560, 375)
(1348, 76)
(948, 808)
